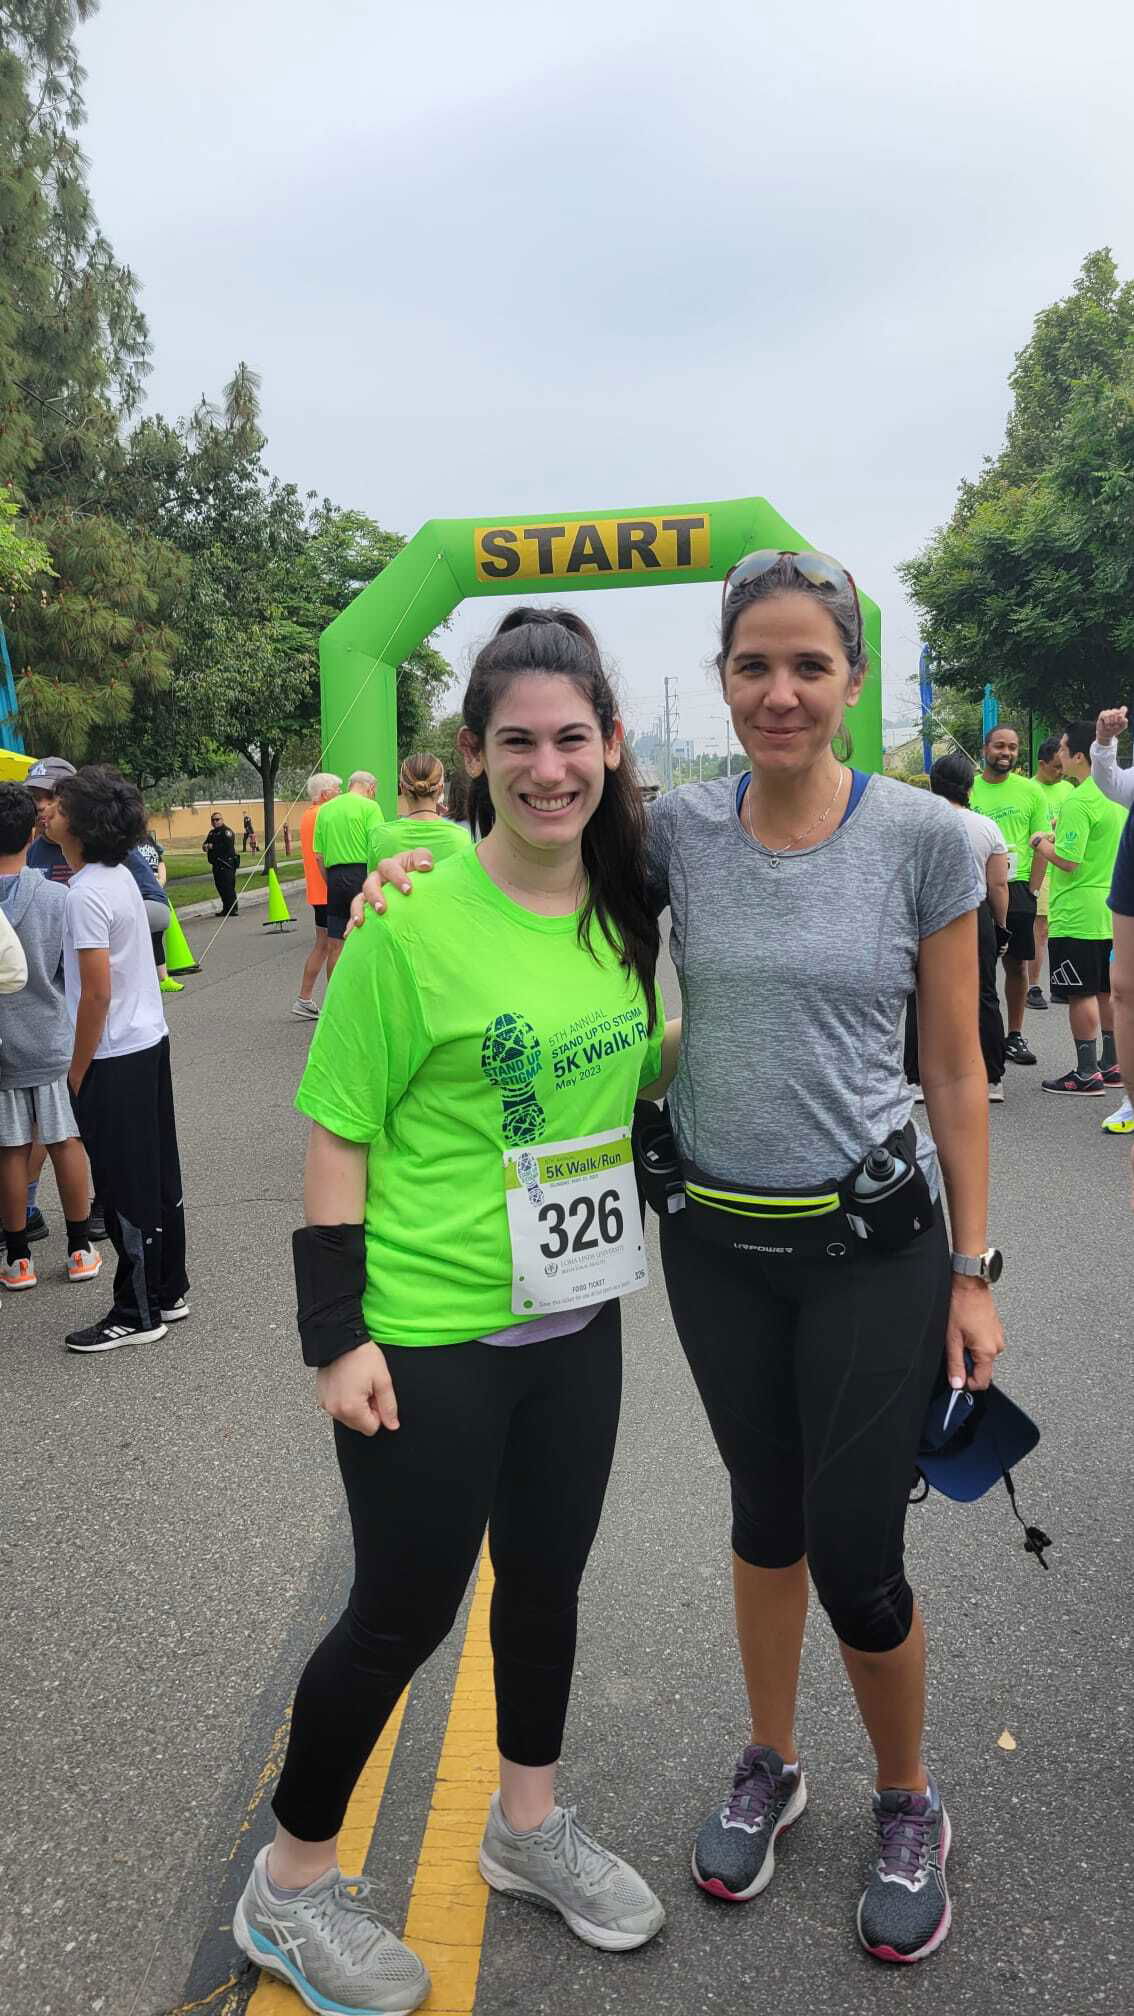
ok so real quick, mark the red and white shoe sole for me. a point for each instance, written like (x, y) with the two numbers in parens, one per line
(712, 1885)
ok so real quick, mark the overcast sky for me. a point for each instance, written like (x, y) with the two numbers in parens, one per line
(509, 260)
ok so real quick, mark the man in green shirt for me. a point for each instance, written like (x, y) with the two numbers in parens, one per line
(1055, 787)
(1020, 810)
(1081, 858)
(341, 844)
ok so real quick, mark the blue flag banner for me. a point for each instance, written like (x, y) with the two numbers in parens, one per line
(9, 733)
(990, 712)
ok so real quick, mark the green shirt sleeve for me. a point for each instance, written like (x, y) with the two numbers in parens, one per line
(372, 1037)
(1041, 813)
(652, 1054)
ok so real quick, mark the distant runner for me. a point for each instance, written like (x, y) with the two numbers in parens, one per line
(1020, 810)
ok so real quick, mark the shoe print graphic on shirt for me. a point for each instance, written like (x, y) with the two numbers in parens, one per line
(510, 1058)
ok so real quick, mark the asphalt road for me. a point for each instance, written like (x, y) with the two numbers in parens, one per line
(174, 1542)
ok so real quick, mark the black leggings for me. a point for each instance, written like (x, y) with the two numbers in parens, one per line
(520, 1440)
(816, 1376)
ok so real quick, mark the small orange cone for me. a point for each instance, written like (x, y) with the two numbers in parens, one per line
(279, 917)
(178, 956)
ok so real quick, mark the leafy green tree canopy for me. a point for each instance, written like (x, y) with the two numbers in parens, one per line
(1030, 587)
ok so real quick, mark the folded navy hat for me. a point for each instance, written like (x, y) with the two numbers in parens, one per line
(971, 1441)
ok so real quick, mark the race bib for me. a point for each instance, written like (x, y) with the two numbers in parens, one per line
(1013, 857)
(574, 1223)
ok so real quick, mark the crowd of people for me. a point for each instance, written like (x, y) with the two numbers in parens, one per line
(84, 1049)
(482, 1085)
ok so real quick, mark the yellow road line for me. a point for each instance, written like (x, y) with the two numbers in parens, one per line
(273, 1997)
(445, 1922)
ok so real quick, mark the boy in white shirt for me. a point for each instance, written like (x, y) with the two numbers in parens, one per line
(119, 1076)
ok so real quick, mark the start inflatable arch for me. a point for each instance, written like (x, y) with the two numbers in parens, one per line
(451, 559)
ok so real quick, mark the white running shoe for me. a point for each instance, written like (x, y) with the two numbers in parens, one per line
(1121, 1121)
(328, 1945)
(996, 1094)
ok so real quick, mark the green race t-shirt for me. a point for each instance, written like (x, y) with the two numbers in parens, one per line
(342, 828)
(1020, 809)
(1088, 831)
(457, 1025)
(443, 837)
(1055, 794)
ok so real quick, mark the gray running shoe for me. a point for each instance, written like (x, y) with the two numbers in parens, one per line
(734, 1855)
(328, 1945)
(904, 1913)
(603, 1900)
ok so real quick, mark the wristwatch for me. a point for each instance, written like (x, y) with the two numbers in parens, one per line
(980, 1266)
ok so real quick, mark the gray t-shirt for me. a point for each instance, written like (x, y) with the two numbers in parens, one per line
(794, 972)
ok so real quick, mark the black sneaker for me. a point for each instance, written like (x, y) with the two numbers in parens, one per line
(1017, 1051)
(1037, 998)
(1076, 1085)
(1111, 1075)
(904, 1913)
(110, 1334)
(734, 1855)
(96, 1221)
(36, 1227)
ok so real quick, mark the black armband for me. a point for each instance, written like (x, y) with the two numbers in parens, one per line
(330, 1275)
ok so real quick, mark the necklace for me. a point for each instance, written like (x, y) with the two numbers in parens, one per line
(776, 854)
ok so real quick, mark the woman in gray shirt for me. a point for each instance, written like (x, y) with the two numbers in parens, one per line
(806, 904)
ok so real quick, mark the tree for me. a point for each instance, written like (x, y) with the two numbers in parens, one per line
(92, 623)
(1031, 584)
(88, 639)
(21, 557)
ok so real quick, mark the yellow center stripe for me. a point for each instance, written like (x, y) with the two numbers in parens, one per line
(445, 1921)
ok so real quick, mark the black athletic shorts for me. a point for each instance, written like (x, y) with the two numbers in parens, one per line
(1078, 967)
(1021, 925)
(320, 910)
(343, 885)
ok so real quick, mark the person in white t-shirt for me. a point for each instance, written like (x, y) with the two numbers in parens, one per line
(119, 1077)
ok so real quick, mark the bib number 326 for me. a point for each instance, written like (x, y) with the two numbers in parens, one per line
(574, 1223)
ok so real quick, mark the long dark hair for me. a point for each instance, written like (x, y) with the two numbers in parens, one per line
(559, 643)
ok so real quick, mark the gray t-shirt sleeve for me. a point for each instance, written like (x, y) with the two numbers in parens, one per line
(661, 824)
(947, 883)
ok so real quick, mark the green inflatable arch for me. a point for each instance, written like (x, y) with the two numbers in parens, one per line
(452, 558)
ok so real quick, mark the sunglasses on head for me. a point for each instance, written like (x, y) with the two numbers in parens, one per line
(818, 569)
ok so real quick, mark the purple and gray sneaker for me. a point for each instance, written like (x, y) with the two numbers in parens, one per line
(734, 1856)
(905, 1912)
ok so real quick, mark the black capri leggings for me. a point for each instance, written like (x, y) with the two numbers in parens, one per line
(518, 1439)
(816, 1376)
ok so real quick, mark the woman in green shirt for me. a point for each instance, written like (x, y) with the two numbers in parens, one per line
(420, 821)
(473, 1077)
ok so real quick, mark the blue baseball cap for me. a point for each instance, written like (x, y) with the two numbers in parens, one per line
(971, 1440)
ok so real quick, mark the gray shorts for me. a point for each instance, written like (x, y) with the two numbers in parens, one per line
(36, 1113)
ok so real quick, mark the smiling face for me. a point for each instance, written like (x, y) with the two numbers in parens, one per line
(545, 760)
(1001, 752)
(788, 681)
